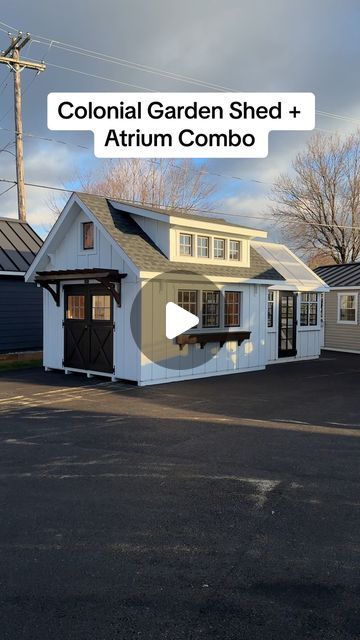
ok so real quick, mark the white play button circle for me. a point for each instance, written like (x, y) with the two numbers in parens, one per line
(178, 320)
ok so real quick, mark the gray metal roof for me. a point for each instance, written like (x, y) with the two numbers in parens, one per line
(19, 245)
(146, 256)
(340, 275)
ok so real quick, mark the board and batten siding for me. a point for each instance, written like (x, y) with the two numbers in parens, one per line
(158, 351)
(338, 335)
(69, 255)
(20, 315)
(308, 339)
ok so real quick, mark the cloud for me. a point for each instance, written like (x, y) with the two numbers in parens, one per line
(44, 165)
(250, 45)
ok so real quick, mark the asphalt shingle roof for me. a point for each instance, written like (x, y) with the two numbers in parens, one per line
(340, 275)
(19, 245)
(146, 256)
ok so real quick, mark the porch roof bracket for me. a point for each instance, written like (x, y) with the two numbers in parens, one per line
(114, 288)
(55, 293)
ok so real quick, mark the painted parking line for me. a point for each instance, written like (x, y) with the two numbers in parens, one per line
(11, 398)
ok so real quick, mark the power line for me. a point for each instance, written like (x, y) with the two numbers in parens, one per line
(8, 189)
(153, 69)
(192, 209)
(34, 135)
(147, 69)
(93, 75)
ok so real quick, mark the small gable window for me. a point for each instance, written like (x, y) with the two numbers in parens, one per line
(87, 235)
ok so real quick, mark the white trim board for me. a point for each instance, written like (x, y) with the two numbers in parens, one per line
(13, 273)
(292, 359)
(197, 376)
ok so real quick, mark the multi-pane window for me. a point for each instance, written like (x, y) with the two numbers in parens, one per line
(270, 309)
(234, 250)
(186, 243)
(309, 310)
(347, 307)
(232, 309)
(203, 247)
(219, 248)
(210, 308)
(88, 235)
(188, 300)
(101, 307)
(75, 309)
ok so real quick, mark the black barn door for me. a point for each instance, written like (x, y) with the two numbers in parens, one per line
(287, 324)
(88, 328)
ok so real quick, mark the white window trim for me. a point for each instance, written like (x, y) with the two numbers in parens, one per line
(308, 327)
(339, 296)
(210, 247)
(241, 249)
(224, 244)
(230, 327)
(244, 243)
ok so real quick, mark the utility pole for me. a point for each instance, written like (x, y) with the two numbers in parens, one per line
(11, 57)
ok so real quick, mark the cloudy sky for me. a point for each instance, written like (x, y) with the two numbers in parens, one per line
(245, 45)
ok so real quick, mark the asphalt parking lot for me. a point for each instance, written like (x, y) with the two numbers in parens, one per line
(222, 508)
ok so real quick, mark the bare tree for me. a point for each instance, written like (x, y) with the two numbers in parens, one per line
(318, 205)
(181, 185)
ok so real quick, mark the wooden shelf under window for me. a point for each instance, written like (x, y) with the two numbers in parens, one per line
(203, 338)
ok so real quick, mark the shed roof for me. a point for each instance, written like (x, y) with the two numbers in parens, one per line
(184, 215)
(340, 275)
(294, 271)
(19, 245)
(146, 256)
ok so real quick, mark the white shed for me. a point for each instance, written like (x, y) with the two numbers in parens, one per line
(108, 270)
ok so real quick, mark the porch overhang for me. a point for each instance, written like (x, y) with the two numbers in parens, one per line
(109, 278)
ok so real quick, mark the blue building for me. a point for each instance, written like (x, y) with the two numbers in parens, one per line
(20, 304)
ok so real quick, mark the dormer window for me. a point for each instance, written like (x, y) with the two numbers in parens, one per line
(186, 244)
(199, 246)
(87, 235)
(234, 250)
(219, 248)
(203, 247)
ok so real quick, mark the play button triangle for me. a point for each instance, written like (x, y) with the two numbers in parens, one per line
(178, 320)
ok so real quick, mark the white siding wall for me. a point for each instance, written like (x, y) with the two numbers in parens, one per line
(126, 352)
(53, 351)
(308, 340)
(70, 256)
(157, 231)
(250, 355)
